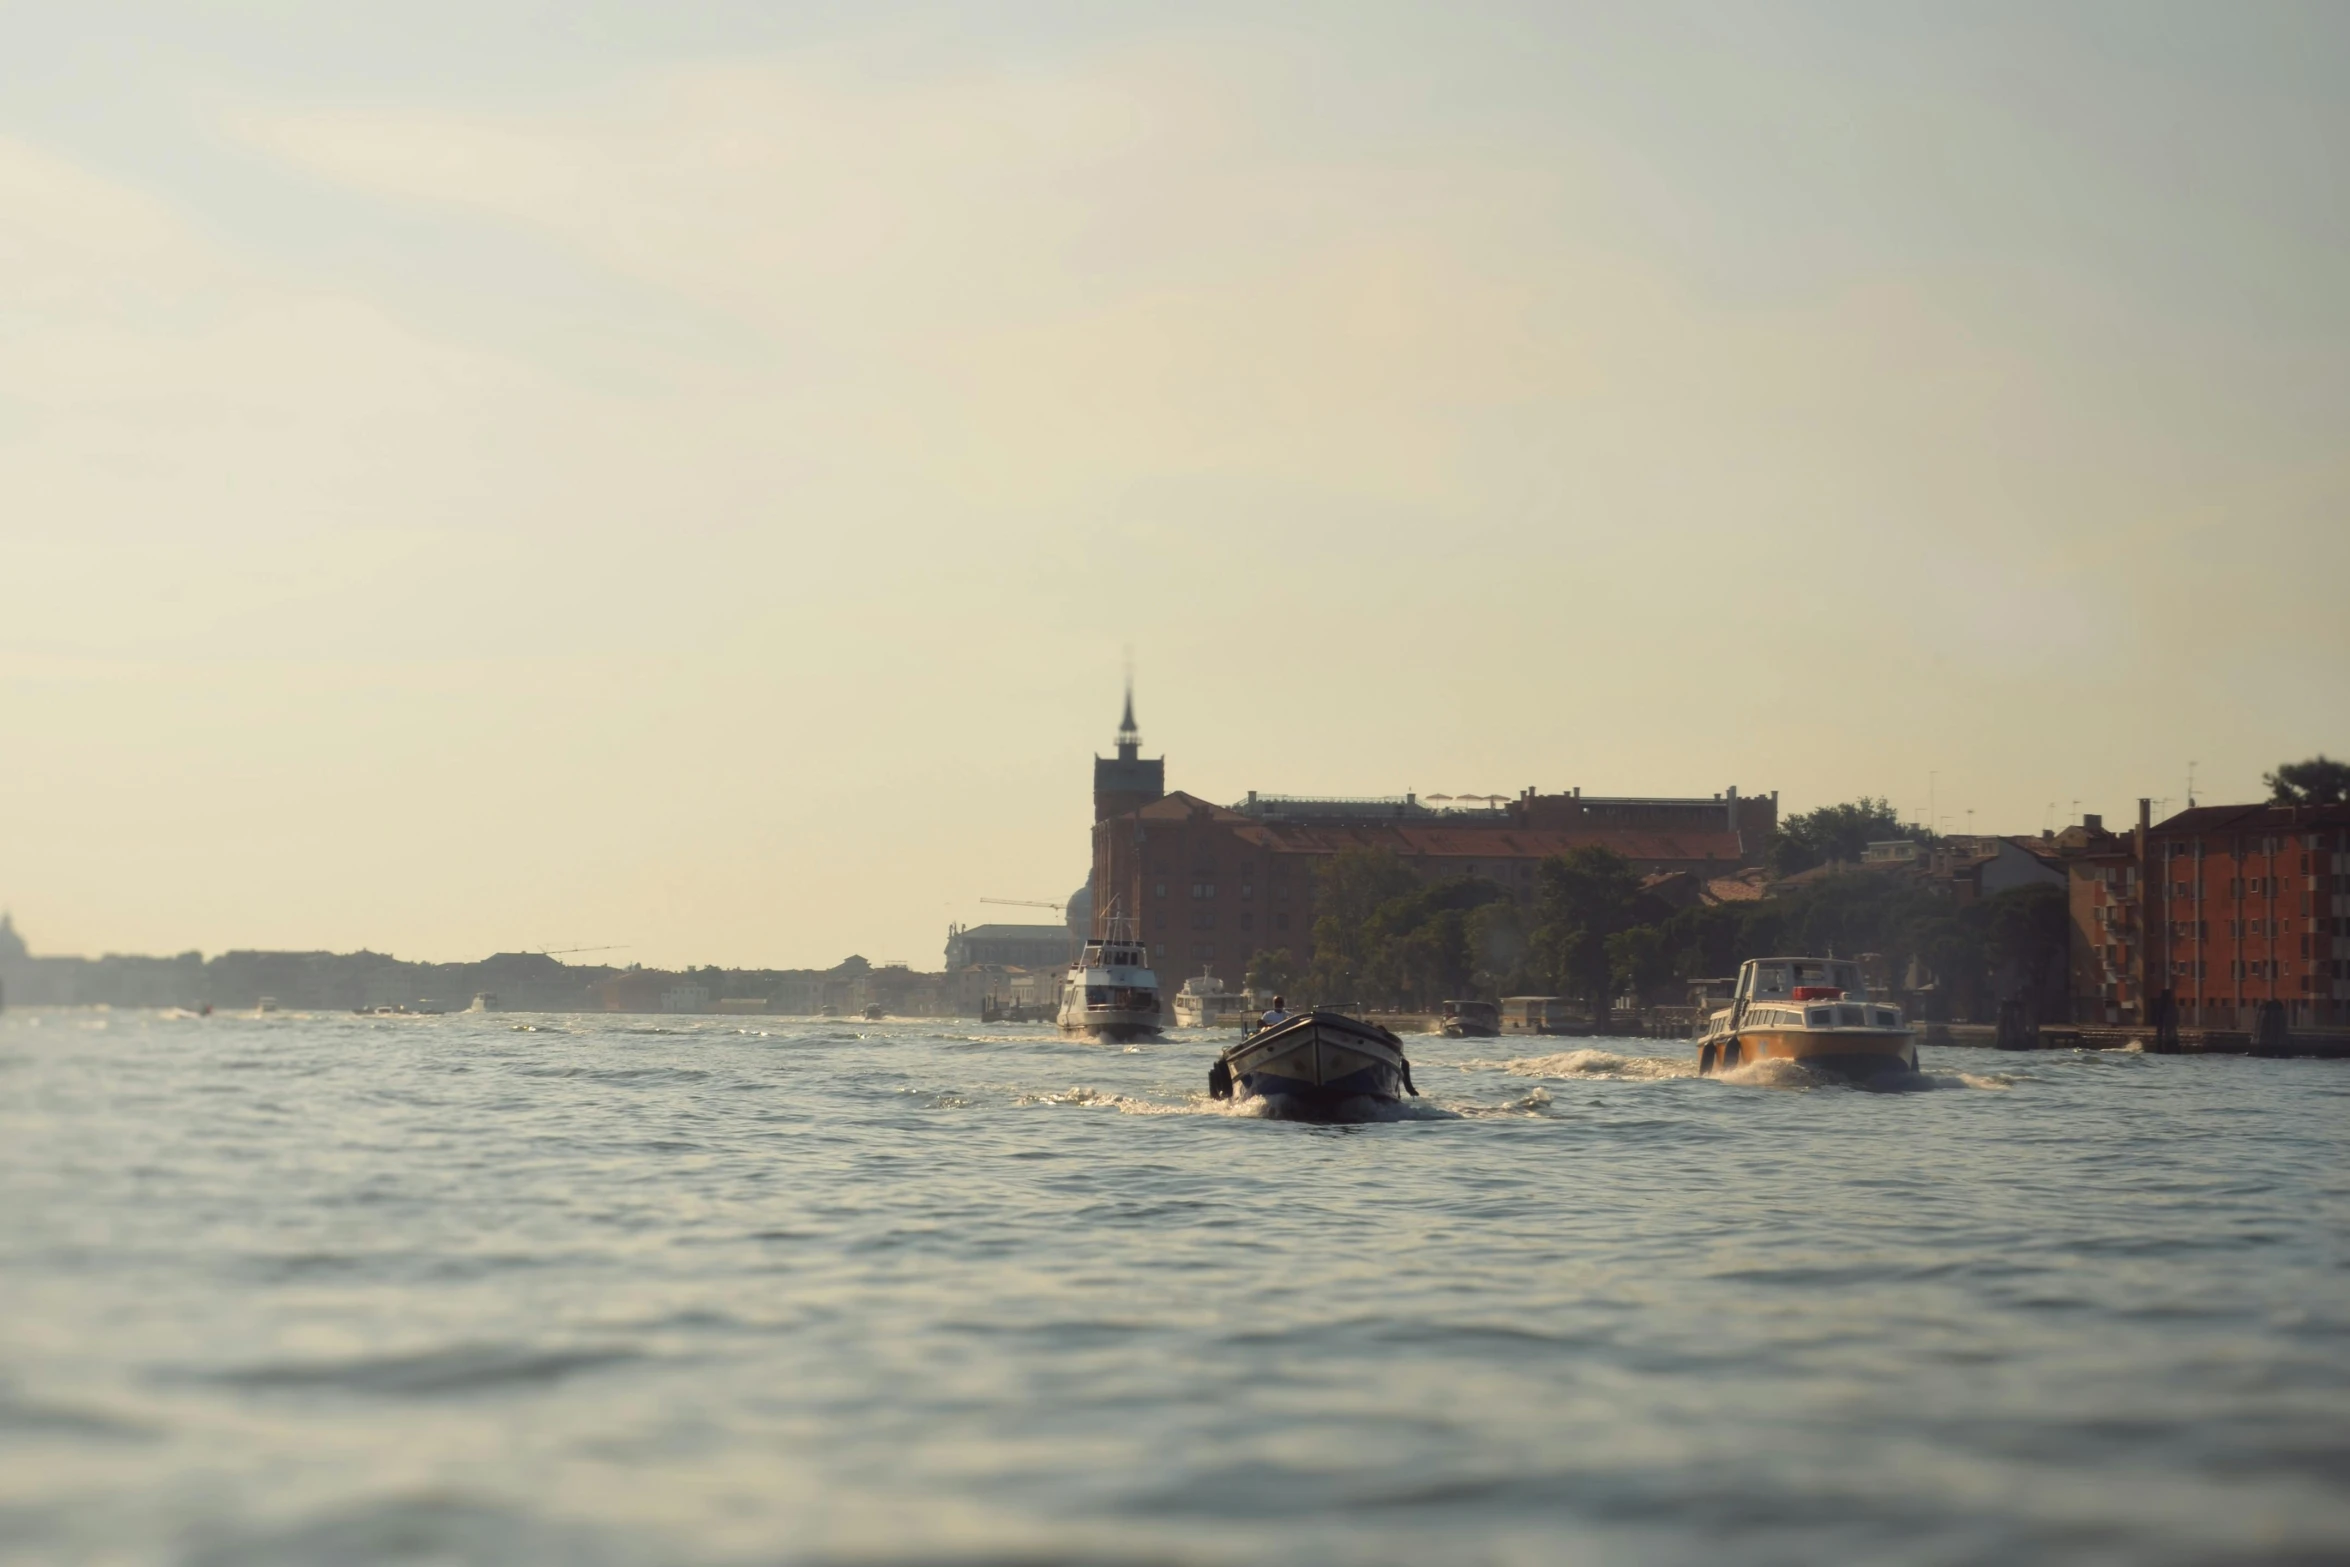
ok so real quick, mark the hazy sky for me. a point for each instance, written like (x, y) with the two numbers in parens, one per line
(478, 476)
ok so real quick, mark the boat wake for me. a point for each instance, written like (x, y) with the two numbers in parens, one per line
(1252, 1108)
(1534, 1102)
(1131, 1104)
(1593, 1063)
(1607, 1065)
(1795, 1075)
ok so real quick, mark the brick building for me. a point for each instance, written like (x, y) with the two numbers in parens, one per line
(1209, 885)
(2103, 904)
(2249, 904)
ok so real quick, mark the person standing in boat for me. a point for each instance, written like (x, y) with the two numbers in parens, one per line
(1279, 1014)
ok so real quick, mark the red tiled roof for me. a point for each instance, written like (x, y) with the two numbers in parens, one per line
(2249, 818)
(1178, 806)
(1476, 841)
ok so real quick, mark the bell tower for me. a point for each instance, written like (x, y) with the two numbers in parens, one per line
(1126, 782)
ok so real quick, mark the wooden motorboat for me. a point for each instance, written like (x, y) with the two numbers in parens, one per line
(1316, 1066)
(1814, 1012)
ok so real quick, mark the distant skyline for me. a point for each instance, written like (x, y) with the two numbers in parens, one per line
(492, 476)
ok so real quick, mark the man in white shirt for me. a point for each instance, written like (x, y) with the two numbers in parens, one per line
(1277, 1015)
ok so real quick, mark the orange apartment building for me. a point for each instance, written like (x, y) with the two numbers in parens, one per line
(1209, 885)
(2249, 904)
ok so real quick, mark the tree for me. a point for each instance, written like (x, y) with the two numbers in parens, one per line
(1384, 935)
(1583, 897)
(1349, 890)
(2319, 781)
(1834, 832)
(1639, 961)
(1498, 947)
(1274, 971)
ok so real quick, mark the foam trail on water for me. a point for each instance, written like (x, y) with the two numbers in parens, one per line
(1592, 1063)
(1772, 1073)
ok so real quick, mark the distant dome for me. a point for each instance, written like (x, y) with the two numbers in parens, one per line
(11, 944)
(1081, 911)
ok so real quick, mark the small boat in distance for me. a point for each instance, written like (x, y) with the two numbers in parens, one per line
(1111, 992)
(265, 1004)
(1316, 1066)
(1203, 1002)
(1470, 1020)
(1815, 1012)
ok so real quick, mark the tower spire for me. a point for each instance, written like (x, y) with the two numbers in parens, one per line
(1128, 782)
(1129, 737)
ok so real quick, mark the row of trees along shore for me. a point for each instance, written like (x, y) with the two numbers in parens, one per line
(1384, 937)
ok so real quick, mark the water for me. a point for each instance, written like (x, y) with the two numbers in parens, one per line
(561, 1289)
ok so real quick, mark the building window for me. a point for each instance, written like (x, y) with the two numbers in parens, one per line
(1203, 921)
(1159, 890)
(1248, 890)
(1159, 951)
(1203, 889)
(1206, 949)
(1281, 922)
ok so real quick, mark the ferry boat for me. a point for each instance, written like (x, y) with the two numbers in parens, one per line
(1316, 1066)
(1111, 992)
(1538, 1015)
(1203, 1002)
(1815, 1012)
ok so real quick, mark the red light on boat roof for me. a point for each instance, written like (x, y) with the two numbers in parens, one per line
(1818, 993)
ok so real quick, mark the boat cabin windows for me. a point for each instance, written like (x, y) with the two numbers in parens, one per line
(1799, 979)
(1888, 1017)
(1820, 1017)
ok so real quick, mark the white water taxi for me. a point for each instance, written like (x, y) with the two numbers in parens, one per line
(1111, 992)
(1203, 1002)
(1815, 1012)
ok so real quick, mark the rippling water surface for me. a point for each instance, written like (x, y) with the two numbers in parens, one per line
(572, 1289)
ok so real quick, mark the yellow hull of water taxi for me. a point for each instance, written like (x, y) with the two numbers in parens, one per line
(1850, 1052)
